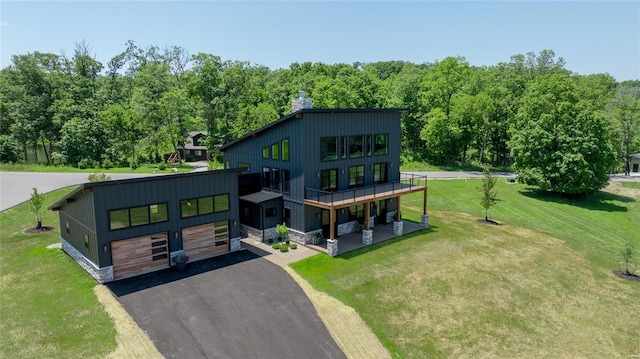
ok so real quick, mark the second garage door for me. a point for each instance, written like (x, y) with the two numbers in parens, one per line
(207, 240)
(139, 255)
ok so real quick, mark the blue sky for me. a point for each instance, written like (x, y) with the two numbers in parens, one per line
(593, 37)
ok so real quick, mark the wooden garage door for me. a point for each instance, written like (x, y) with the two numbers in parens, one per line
(140, 255)
(206, 241)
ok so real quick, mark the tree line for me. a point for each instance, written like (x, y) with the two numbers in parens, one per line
(141, 104)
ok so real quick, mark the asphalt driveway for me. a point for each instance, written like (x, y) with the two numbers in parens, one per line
(233, 306)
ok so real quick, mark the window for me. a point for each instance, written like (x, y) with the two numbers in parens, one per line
(285, 150)
(67, 227)
(266, 177)
(369, 145)
(286, 216)
(245, 165)
(275, 176)
(356, 146)
(198, 153)
(286, 181)
(137, 216)
(189, 208)
(275, 151)
(329, 180)
(86, 241)
(380, 173)
(205, 205)
(265, 152)
(356, 213)
(270, 212)
(221, 202)
(381, 144)
(227, 164)
(343, 147)
(119, 219)
(356, 176)
(328, 148)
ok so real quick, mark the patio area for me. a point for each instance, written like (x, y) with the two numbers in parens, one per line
(353, 241)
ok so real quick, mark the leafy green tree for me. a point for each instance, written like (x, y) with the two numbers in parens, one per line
(84, 139)
(36, 202)
(560, 143)
(441, 136)
(627, 253)
(489, 194)
(9, 149)
(624, 108)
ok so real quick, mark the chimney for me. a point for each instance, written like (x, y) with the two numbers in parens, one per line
(301, 102)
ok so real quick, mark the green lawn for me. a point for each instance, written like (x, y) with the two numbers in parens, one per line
(47, 305)
(540, 285)
(419, 166)
(145, 168)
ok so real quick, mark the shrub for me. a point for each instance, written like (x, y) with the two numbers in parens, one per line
(162, 166)
(276, 246)
(83, 163)
(133, 164)
(294, 246)
(270, 240)
(107, 164)
(284, 249)
(287, 241)
(98, 177)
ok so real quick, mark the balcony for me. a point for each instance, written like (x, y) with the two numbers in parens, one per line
(408, 183)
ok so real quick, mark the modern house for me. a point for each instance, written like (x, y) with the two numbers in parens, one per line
(118, 229)
(323, 172)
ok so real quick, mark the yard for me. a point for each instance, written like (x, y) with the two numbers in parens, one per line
(540, 285)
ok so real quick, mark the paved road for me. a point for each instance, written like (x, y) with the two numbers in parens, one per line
(233, 306)
(16, 187)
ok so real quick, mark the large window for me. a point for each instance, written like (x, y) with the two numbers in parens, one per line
(266, 177)
(204, 205)
(275, 176)
(275, 151)
(329, 180)
(356, 146)
(369, 145)
(344, 147)
(265, 152)
(328, 148)
(285, 150)
(356, 176)
(356, 213)
(137, 216)
(381, 144)
(286, 181)
(380, 173)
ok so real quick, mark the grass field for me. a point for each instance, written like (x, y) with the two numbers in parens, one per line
(540, 285)
(47, 304)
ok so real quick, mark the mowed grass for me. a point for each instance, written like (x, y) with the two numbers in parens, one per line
(540, 285)
(47, 305)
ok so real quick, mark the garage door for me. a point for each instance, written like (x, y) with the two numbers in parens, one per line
(139, 255)
(206, 241)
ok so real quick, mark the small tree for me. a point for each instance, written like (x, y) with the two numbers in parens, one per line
(282, 230)
(627, 253)
(37, 200)
(99, 177)
(489, 195)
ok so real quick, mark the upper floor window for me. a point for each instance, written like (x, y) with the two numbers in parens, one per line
(245, 165)
(369, 145)
(275, 179)
(328, 148)
(380, 173)
(329, 180)
(266, 177)
(285, 149)
(356, 146)
(204, 205)
(137, 216)
(265, 152)
(286, 181)
(356, 176)
(275, 151)
(381, 144)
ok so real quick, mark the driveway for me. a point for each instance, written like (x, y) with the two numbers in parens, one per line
(233, 306)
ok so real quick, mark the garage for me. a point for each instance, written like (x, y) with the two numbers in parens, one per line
(205, 241)
(140, 255)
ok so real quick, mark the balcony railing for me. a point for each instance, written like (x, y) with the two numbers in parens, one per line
(407, 182)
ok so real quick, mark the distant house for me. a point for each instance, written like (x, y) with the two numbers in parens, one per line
(635, 162)
(194, 147)
(118, 229)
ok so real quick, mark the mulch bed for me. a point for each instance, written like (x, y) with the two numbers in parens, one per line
(482, 220)
(38, 230)
(623, 275)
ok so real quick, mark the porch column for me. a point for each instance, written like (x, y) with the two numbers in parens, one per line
(332, 219)
(398, 216)
(398, 226)
(367, 214)
(424, 219)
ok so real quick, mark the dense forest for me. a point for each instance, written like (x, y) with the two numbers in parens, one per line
(140, 105)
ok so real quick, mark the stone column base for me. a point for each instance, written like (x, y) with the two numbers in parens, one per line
(367, 236)
(235, 244)
(398, 228)
(332, 247)
(424, 220)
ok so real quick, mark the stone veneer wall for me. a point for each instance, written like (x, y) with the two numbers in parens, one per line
(102, 275)
(235, 244)
(391, 216)
(294, 236)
